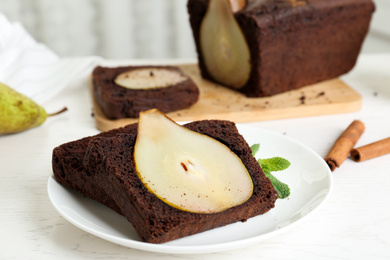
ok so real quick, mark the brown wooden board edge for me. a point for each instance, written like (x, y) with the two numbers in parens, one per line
(324, 98)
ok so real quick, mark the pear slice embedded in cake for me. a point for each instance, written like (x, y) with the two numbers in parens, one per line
(186, 169)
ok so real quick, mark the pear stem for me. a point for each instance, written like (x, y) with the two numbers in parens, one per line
(237, 5)
(58, 112)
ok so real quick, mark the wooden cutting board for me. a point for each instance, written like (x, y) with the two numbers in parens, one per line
(217, 102)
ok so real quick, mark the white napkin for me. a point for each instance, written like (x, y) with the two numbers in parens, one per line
(32, 68)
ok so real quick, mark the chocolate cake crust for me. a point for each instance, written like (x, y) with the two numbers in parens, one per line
(119, 102)
(294, 43)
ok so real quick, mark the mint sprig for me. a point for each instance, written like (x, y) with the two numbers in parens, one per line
(271, 165)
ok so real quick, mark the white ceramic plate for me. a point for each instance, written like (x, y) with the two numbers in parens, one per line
(308, 177)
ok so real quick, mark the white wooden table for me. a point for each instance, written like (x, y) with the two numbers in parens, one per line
(353, 224)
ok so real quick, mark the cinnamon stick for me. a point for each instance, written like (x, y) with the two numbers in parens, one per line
(372, 150)
(344, 144)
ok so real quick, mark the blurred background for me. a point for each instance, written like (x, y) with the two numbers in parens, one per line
(130, 29)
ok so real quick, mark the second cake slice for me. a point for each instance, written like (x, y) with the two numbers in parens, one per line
(110, 161)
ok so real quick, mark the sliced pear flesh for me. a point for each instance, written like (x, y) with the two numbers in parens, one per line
(223, 46)
(188, 170)
(149, 78)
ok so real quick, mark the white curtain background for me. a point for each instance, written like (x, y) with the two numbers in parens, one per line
(115, 29)
(123, 29)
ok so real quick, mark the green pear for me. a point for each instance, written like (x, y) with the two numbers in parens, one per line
(18, 112)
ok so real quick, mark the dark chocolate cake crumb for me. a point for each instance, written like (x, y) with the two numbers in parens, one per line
(302, 99)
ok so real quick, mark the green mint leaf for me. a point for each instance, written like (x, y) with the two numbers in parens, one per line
(264, 166)
(282, 189)
(276, 163)
(255, 148)
(270, 165)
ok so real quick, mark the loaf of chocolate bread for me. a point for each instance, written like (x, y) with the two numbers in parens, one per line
(108, 171)
(294, 43)
(120, 102)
